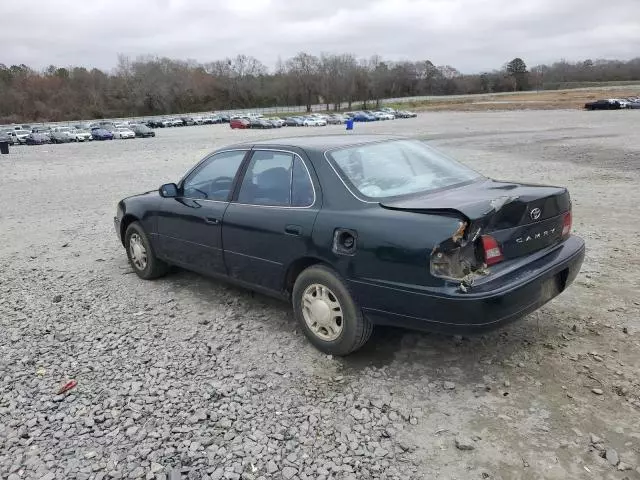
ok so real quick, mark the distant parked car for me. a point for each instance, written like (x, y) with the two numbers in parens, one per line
(154, 123)
(240, 123)
(72, 133)
(607, 104)
(123, 133)
(38, 138)
(276, 121)
(383, 116)
(260, 123)
(363, 117)
(58, 136)
(405, 114)
(41, 129)
(143, 131)
(101, 134)
(211, 119)
(293, 122)
(80, 135)
(8, 136)
(624, 103)
(18, 137)
(314, 122)
(186, 121)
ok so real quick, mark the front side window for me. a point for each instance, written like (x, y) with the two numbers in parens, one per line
(398, 167)
(278, 179)
(213, 179)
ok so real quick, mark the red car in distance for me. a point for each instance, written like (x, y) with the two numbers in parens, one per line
(240, 123)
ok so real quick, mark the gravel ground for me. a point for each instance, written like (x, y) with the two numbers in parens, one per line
(186, 377)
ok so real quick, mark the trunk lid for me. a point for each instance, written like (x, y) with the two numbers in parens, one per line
(522, 218)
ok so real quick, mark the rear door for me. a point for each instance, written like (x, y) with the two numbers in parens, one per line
(189, 226)
(269, 223)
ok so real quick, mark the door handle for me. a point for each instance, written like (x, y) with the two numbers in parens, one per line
(211, 220)
(293, 230)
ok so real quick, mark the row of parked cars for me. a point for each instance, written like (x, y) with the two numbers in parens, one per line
(104, 130)
(109, 130)
(317, 119)
(169, 122)
(613, 103)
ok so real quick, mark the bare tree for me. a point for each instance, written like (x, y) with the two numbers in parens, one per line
(150, 85)
(304, 68)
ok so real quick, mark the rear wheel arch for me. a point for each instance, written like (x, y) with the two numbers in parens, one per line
(296, 268)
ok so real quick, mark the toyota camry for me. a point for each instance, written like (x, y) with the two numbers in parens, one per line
(357, 231)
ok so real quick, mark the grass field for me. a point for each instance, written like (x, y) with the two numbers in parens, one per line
(543, 100)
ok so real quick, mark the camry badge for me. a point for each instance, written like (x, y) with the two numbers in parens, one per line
(535, 213)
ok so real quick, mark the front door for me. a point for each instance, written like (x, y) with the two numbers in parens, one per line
(270, 222)
(190, 226)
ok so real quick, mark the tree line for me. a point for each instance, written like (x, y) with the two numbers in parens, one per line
(155, 85)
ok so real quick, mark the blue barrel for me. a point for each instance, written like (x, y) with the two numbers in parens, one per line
(350, 124)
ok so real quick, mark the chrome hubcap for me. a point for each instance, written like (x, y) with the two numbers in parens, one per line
(138, 252)
(322, 312)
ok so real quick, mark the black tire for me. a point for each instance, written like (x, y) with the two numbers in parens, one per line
(356, 329)
(154, 267)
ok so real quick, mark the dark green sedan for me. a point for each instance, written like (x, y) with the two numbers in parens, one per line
(359, 230)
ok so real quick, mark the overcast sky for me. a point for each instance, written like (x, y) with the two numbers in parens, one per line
(471, 35)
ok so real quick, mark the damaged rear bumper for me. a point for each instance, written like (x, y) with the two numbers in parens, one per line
(501, 297)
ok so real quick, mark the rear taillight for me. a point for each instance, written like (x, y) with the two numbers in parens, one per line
(492, 251)
(566, 224)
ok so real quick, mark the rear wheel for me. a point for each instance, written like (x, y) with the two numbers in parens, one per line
(141, 255)
(327, 313)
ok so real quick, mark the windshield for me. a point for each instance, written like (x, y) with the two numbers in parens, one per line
(398, 167)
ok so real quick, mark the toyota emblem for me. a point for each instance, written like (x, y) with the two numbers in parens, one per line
(535, 213)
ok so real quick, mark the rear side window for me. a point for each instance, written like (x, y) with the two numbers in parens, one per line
(277, 179)
(302, 194)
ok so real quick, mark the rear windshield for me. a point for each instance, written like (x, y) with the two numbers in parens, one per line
(398, 167)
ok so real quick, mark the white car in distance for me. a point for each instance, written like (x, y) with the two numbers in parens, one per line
(314, 122)
(383, 116)
(19, 137)
(123, 133)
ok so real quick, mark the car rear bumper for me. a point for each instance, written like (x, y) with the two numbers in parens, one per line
(492, 303)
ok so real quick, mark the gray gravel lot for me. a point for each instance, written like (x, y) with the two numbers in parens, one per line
(186, 377)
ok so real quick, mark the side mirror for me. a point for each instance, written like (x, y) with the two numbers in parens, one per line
(168, 190)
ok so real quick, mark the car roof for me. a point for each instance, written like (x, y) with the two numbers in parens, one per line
(323, 142)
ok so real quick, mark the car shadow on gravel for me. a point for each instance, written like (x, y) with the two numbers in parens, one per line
(410, 354)
(397, 350)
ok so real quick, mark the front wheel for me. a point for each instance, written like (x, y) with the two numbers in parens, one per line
(327, 313)
(141, 256)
